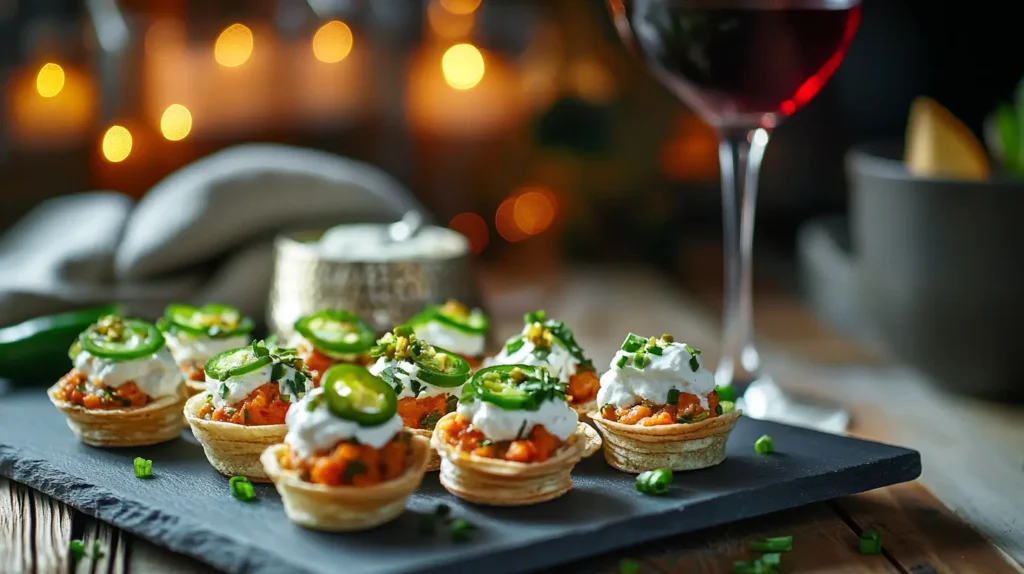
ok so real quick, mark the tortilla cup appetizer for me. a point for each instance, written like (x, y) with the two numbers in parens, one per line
(456, 328)
(332, 337)
(124, 388)
(514, 439)
(194, 334)
(427, 380)
(659, 408)
(249, 393)
(549, 343)
(346, 463)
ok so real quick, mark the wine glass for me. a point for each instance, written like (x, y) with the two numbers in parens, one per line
(743, 66)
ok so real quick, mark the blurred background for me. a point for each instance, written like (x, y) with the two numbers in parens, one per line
(523, 123)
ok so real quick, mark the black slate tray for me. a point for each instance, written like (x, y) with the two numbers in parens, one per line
(187, 507)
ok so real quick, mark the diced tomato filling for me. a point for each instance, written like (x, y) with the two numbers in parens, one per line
(75, 388)
(537, 447)
(583, 387)
(262, 407)
(353, 464)
(423, 413)
(193, 371)
(318, 362)
(649, 414)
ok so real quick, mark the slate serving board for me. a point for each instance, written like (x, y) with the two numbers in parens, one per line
(188, 508)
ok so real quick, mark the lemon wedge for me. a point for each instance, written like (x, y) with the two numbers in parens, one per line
(940, 145)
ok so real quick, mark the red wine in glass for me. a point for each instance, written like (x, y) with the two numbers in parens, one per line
(741, 62)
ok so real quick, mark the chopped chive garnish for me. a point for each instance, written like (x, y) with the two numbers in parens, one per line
(654, 482)
(632, 343)
(772, 559)
(870, 542)
(727, 407)
(353, 468)
(459, 529)
(655, 350)
(640, 360)
(514, 345)
(485, 442)
(628, 566)
(718, 409)
(685, 418)
(777, 544)
(241, 488)
(694, 364)
(673, 397)
(143, 467)
(223, 391)
(701, 416)
(764, 445)
(623, 360)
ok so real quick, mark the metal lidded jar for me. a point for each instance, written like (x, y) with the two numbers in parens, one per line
(381, 272)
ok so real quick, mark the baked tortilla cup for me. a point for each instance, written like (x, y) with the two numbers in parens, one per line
(345, 508)
(157, 422)
(194, 387)
(233, 449)
(434, 459)
(638, 448)
(584, 410)
(499, 482)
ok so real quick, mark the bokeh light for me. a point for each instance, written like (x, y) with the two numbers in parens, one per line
(332, 42)
(50, 80)
(505, 221)
(117, 144)
(534, 211)
(463, 66)
(176, 122)
(461, 6)
(448, 25)
(474, 228)
(234, 46)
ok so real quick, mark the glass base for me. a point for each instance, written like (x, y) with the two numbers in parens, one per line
(763, 399)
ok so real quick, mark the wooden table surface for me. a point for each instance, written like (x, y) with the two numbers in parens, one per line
(972, 452)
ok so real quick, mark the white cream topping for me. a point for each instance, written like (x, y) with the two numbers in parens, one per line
(627, 386)
(235, 389)
(189, 349)
(451, 339)
(497, 424)
(310, 432)
(558, 361)
(157, 375)
(407, 374)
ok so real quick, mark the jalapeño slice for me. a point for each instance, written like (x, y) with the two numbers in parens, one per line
(119, 339)
(336, 331)
(513, 387)
(235, 362)
(455, 315)
(443, 369)
(354, 394)
(212, 320)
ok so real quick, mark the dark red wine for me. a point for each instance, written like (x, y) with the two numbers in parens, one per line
(741, 62)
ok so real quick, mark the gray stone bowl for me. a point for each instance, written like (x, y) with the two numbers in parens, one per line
(938, 266)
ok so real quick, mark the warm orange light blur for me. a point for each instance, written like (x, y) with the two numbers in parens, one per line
(176, 122)
(692, 152)
(474, 228)
(117, 144)
(461, 6)
(50, 80)
(448, 25)
(234, 46)
(534, 211)
(463, 66)
(332, 42)
(592, 81)
(505, 221)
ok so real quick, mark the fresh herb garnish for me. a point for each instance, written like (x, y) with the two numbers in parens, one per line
(685, 418)
(776, 544)
(640, 360)
(694, 353)
(633, 343)
(628, 566)
(429, 421)
(451, 403)
(764, 445)
(459, 529)
(416, 387)
(514, 345)
(277, 372)
(223, 390)
(519, 433)
(485, 442)
(654, 482)
(353, 468)
(673, 397)
(622, 362)
(564, 334)
(143, 467)
(870, 542)
(241, 488)
(727, 407)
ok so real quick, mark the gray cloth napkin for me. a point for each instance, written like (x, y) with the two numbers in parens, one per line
(202, 234)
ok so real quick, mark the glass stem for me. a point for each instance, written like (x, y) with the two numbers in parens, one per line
(739, 155)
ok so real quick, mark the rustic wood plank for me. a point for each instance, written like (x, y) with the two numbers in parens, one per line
(53, 523)
(16, 528)
(105, 548)
(920, 534)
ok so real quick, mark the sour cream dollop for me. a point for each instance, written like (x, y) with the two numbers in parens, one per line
(407, 374)
(235, 389)
(157, 375)
(627, 386)
(189, 349)
(317, 430)
(559, 361)
(498, 424)
(451, 339)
